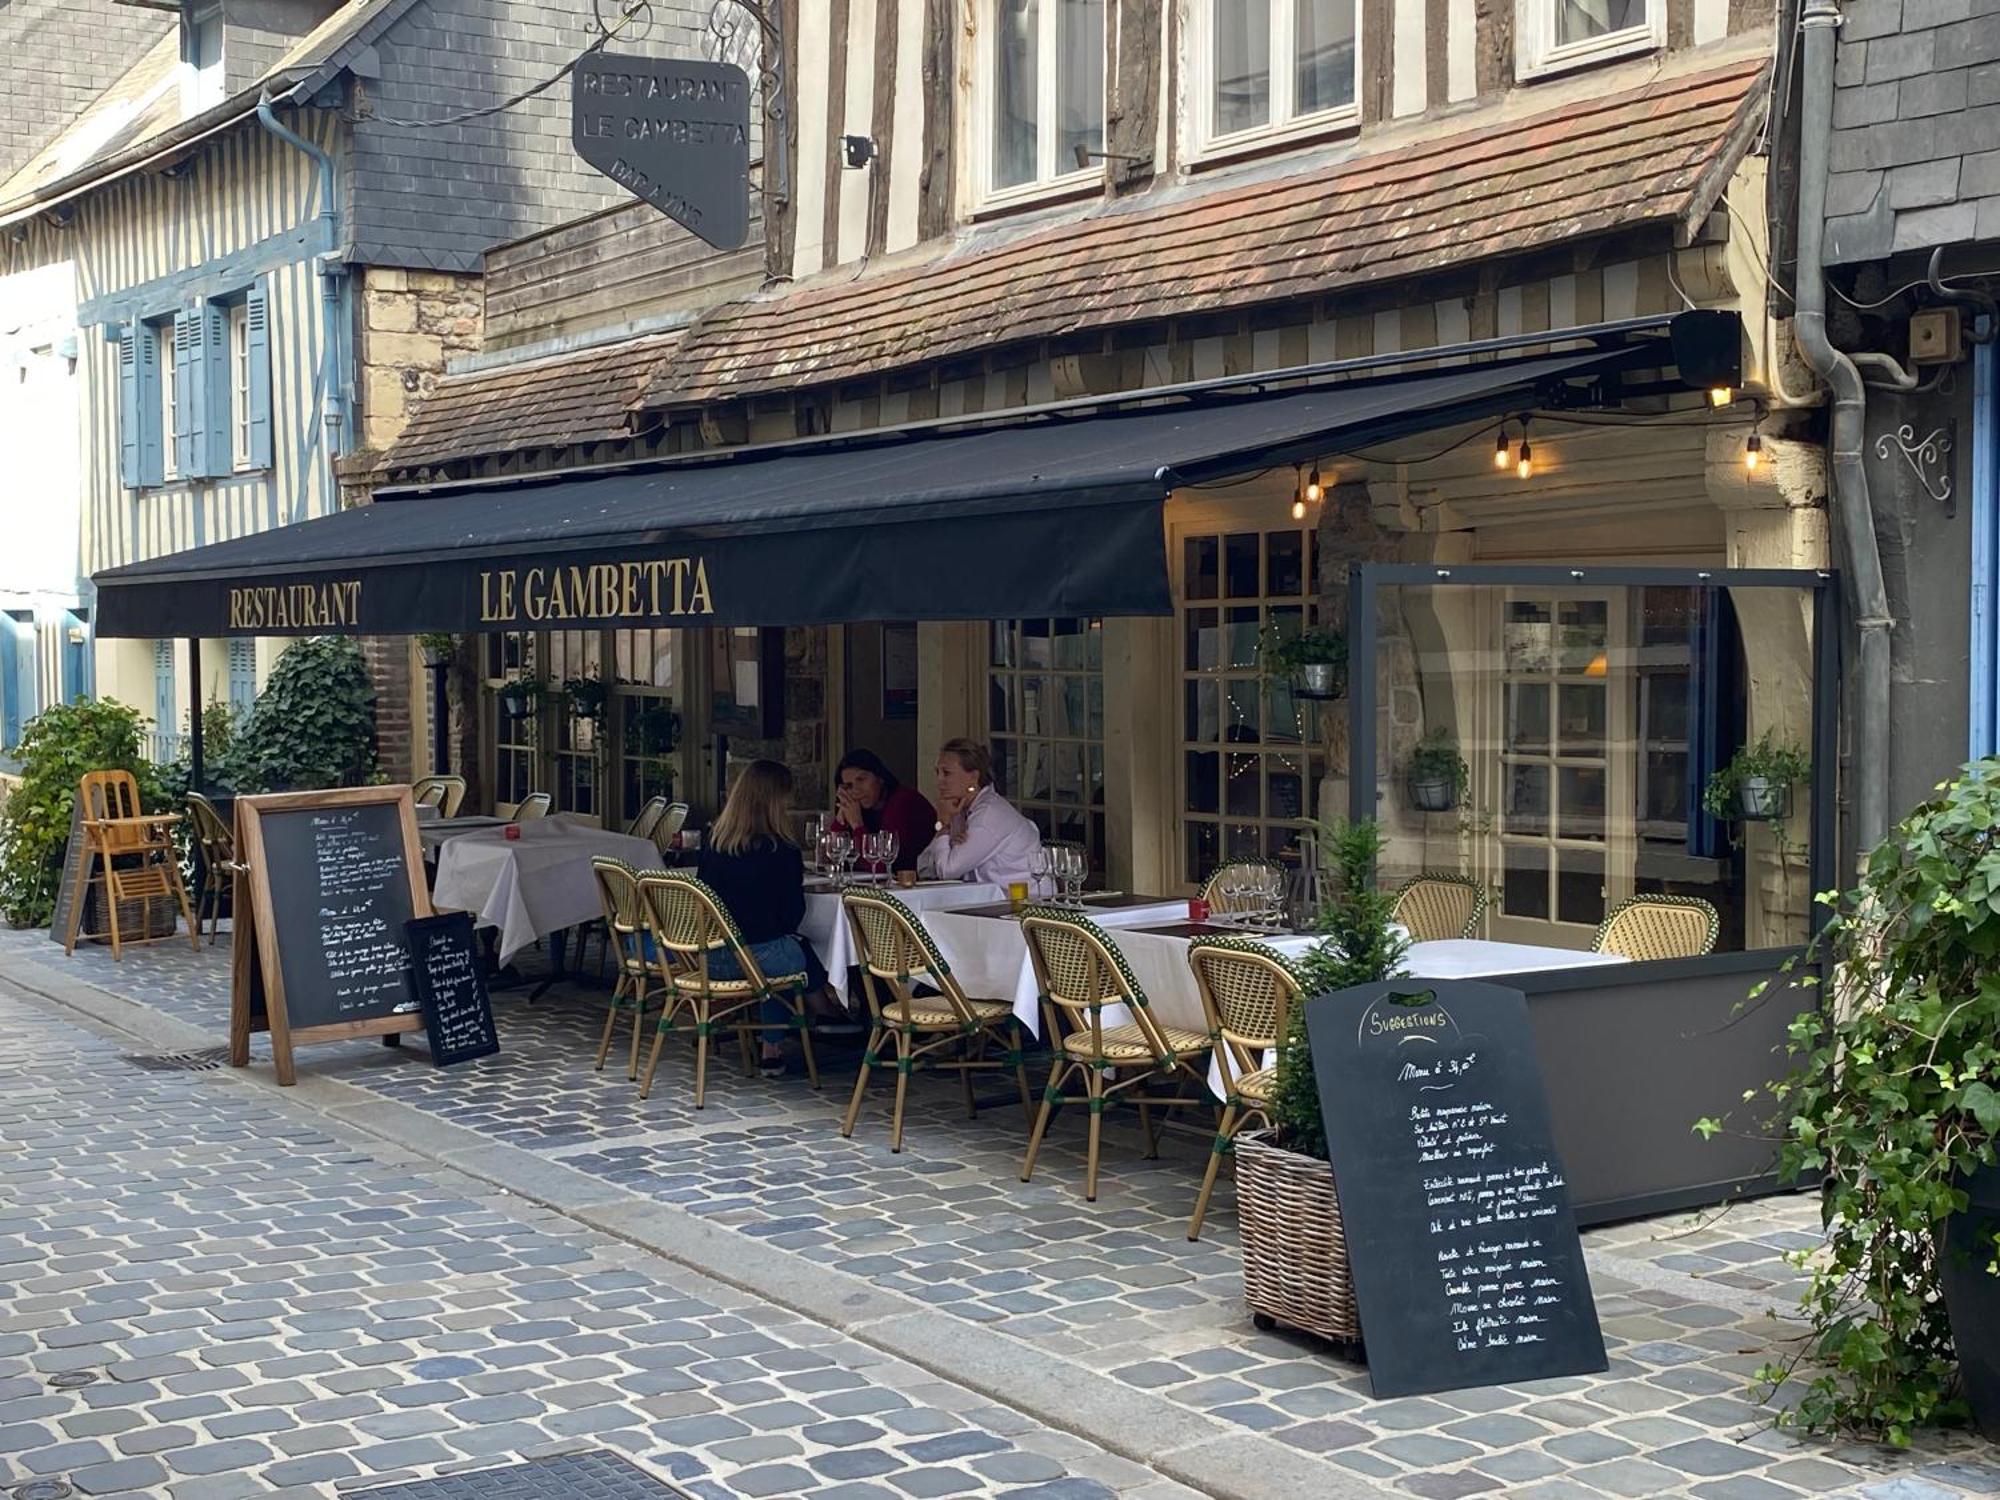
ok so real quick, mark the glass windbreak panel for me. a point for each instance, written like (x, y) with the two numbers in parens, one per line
(1571, 749)
(1045, 721)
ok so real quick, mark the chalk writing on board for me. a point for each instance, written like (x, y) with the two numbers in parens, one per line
(354, 868)
(451, 986)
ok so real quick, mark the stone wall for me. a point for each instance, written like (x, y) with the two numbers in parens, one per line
(410, 324)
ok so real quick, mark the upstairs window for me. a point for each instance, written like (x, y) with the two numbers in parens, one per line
(1555, 36)
(1266, 69)
(194, 391)
(1040, 95)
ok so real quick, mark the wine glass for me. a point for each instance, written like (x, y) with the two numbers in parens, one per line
(840, 852)
(1042, 866)
(888, 845)
(1072, 875)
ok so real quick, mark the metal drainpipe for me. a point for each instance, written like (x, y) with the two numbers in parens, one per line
(334, 361)
(1853, 511)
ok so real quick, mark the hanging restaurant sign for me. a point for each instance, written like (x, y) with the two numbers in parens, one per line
(672, 130)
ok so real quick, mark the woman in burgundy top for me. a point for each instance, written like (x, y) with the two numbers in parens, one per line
(868, 799)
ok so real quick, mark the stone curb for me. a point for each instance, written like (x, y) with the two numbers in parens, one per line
(1175, 1441)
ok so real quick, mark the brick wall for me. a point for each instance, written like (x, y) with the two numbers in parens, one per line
(1916, 115)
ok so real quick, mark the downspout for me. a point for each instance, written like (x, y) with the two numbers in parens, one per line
(332, 278)
(1854, 513)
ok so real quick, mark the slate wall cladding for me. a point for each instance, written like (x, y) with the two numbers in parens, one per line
(60, 55)
(435, 198)
(1916, 115)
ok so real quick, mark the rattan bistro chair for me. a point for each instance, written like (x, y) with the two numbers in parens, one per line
(1659, 927)
(649, 817)
(689, 925)
(217, 842)
(672, 821)
(1248, 991)
(1212, 889)
(534, 805)
(1079, 972)
(444, 792)
(1434, 906)
(625, 933)
(948, 1030)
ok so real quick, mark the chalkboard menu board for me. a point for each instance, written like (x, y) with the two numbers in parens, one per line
(1463, 1246)
(320, 949)
(66, 893)
(451, 988)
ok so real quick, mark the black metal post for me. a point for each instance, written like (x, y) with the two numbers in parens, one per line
(197, 776)
(440, 718)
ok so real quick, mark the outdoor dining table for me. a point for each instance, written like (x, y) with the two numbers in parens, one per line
(535, 885)
(825, 925)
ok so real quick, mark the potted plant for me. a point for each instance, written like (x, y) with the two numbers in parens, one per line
(1314, 660)
(1437, 773)
(1756, 785)
(1894, 1105)
(437, 646)
(586, 697)
(520, 695)
(1294, 1248)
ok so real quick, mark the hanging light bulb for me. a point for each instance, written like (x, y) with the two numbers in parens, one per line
(1720, 396)
(1753, 451)
(1501, 454)
(1524, 461)
(1314, 491)
(1298, 507)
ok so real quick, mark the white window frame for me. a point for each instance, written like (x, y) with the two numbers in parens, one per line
(1536, 54)
(161, 332)
(1051, 178)
(239, 386)
(1205, 144)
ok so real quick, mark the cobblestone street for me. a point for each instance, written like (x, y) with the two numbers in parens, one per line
(330, 1287)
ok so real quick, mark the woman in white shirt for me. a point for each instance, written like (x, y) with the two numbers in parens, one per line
(980, 836)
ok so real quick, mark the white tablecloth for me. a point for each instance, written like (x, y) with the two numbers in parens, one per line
(534, 885)
(825, 926)
(990, 958)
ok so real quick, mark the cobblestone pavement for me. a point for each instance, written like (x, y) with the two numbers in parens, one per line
(1115, 1290)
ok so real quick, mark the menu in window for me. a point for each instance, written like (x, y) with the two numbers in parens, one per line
(1460, 1236)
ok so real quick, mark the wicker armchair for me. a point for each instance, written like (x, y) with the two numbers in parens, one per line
(1434, 907)
(534, 805)
(445, 793)
(689, 925)
(1659, 927)
(1212, 888)
(217, 842)
(948, 1030)
(625, 932)
(1080, 972)
(1247, 992)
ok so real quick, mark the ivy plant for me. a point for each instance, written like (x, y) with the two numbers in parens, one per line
(312, 727)
(1894, 1098)
(1780, 762)
(57, 747)
(1359, 944)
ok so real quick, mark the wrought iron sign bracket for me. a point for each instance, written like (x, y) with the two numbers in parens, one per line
(1929, 459)
(752, 33)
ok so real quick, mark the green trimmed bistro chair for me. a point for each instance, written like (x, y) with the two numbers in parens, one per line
(1434, 906)
(1212, 888)
(625, 933)
(689, 925)
(672, 820)
(1659, 927)
(649, 817)
(1248, 991)
(534, 805)
(1080, 971)
(217, 842)
(444, 792)
(892, 950)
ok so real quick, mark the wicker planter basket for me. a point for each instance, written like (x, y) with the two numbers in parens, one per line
(139, 918)
(1294, 1248)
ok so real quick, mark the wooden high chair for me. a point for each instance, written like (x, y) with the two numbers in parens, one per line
(140, 861)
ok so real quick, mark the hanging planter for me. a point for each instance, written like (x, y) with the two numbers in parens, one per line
(1756, 785)
(1761, 800)
(586, 697)
(1314, 661)
(1436, 773)
(438, 646)
(519, 695)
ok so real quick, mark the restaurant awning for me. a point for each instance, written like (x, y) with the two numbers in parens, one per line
(1054, 513)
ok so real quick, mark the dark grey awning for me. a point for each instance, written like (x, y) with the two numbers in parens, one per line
(1054, 514)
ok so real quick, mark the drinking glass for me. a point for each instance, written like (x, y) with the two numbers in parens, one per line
(1072, 874)
(840, 852)
(816, 837)
(1042, 867)
(889, 844)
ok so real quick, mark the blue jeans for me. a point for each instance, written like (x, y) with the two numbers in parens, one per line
(775, 956)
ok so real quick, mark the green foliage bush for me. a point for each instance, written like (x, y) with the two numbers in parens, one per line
(1895, 1098)
(57, 747)
(312, 727)
(1359, 945)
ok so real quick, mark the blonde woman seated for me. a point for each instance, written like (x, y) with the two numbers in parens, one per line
(749, 859)
(980, 836)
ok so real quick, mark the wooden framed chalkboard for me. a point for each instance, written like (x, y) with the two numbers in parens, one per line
(1460, 1235)
(330, 880)
(66, 892)
(450, 982)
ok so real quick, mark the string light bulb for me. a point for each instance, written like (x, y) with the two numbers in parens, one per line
(1524, 461)
(1753, 451)
(1314, 491)
(1502, 455)
(1720, 396)
(1298, 507)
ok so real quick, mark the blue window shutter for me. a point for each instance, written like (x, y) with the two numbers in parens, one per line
(257, 322)
(130, 472)
(218, 420)
(163, 686)
(152, 466)
(187, 393)
(242, 677)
